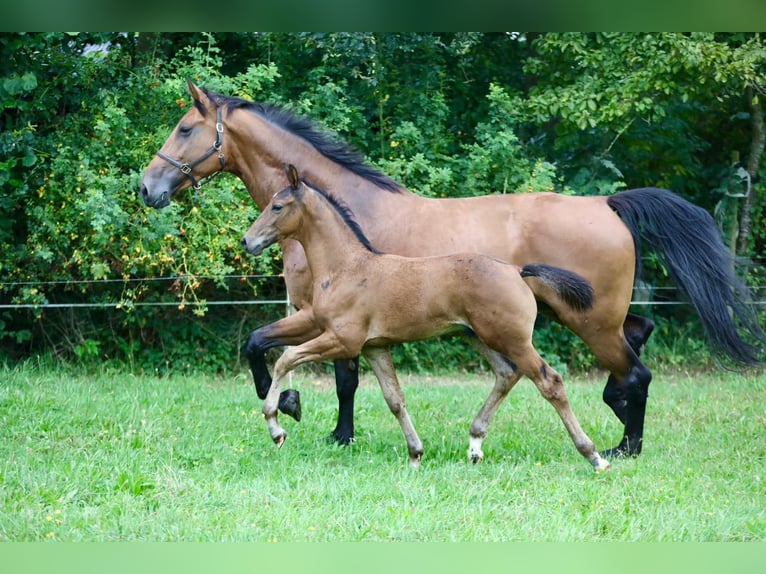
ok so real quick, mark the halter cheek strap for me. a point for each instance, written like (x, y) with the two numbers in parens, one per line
(186, 168)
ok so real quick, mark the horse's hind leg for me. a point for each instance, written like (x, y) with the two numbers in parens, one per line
(628, 387)
(383, 367)
(551, 386)
(635, 386)
(506, 377)
(637, 330)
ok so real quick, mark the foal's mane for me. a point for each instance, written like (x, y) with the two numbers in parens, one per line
(345, 213)
(324, 142)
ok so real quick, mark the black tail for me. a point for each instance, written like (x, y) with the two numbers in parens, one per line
(689, 245)
(574, 290)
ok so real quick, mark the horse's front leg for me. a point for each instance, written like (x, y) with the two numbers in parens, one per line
(325, 346)
(346, 383)
(291, 330)
(383, 367)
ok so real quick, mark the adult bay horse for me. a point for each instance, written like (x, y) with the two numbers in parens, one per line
(599, 238)
(363, 301)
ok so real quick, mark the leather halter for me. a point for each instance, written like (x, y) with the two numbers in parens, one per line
(186, 168)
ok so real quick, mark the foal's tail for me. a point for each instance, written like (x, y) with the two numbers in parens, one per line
(689, 245)
(574, 290)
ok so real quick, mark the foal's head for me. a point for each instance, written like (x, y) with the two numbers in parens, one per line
(284, 214)
(279, 219)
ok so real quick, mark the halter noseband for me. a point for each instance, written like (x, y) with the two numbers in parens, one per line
(186, 168)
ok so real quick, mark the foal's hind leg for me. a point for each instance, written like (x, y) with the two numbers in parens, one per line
(506, 377)
(383, 367)
(551, 386)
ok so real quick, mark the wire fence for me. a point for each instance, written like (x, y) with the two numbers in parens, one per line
(643, 295)
(127, 302)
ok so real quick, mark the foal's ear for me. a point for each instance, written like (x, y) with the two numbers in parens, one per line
(292, 176)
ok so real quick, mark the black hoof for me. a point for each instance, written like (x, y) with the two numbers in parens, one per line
(343, 439)
(290, 403)
(614, 453)
(620, 451)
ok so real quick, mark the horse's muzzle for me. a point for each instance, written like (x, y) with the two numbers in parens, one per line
(157, 201)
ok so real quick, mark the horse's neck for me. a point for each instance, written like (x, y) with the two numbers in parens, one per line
(329, 243)
(261, 150)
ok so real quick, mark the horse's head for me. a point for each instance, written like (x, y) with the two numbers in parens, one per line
(279, 219)
(193, 152)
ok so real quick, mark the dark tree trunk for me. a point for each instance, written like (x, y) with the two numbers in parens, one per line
(753, 166)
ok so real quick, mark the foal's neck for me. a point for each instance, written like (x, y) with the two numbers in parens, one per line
(328, 241)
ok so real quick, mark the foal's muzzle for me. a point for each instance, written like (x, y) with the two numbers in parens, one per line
(256, 246)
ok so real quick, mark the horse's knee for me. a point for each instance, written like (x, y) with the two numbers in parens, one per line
(257, 344)
(255, 349)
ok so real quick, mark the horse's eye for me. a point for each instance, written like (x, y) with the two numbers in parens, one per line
(276, 208)
(184, 130)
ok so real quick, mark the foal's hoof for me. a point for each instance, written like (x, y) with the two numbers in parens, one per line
(290, 403)
(475, 454)
(601, 465)
(279, 440)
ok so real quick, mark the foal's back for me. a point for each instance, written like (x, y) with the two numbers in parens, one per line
(386, 299)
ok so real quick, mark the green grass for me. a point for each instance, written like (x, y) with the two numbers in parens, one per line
(115, 456)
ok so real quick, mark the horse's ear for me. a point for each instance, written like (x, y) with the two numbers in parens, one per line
(292, 176)
(197, 94)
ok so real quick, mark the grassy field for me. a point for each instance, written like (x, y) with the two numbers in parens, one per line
(116, 456)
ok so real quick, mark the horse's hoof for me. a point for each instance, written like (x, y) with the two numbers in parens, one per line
(619, 452)
(342, 439)
(290, 403)
(280, 440)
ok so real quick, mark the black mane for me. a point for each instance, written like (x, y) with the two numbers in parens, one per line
(325, 143)
(345, 214)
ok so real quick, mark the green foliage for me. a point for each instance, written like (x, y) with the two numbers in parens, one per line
(447, 114)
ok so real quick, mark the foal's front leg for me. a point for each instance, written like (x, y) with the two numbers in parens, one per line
(325, 346)
(383, 367)
(290, 330)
